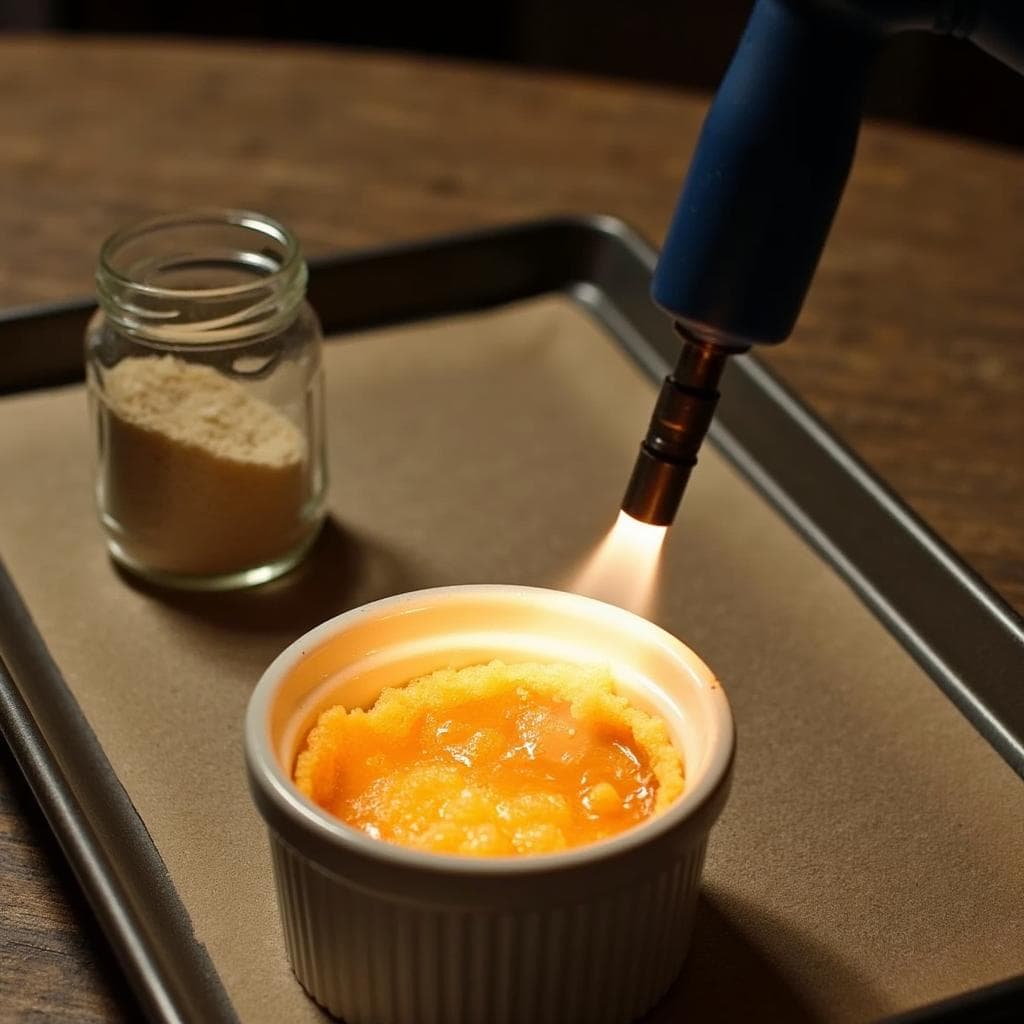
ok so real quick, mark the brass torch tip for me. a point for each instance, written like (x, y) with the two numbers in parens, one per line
(655, 488)
(681, 418)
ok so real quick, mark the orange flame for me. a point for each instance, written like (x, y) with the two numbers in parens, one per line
(624, 568)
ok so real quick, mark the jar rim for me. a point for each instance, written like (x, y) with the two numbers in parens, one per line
(290, 261)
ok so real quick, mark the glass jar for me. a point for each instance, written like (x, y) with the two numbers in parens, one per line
(205, 385)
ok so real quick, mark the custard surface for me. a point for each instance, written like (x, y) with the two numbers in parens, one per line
(493, 760)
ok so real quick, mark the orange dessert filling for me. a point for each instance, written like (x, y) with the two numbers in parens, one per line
(493, 760)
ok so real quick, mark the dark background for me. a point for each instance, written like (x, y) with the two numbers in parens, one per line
(925, 80)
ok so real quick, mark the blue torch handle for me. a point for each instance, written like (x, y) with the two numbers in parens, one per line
(766, 178)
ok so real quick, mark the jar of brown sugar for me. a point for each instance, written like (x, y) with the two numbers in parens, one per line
(205, 386)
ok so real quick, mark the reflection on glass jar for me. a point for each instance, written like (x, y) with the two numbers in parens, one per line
(205, 384)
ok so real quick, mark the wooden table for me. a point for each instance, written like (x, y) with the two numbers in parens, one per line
(911, 344)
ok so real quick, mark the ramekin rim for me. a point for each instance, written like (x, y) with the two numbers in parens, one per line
(276, 785)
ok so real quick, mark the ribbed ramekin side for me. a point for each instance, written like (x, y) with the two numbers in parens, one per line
(372, 960)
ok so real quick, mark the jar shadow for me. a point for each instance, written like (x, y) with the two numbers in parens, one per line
(342, 570)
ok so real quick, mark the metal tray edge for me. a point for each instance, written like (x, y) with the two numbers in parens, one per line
(605, 266)
(117, 865)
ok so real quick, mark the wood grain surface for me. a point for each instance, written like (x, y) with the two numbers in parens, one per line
(911, 345)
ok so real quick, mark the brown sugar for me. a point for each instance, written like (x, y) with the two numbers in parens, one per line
(199, 476)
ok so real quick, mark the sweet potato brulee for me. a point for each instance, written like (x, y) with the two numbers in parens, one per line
(492, 760)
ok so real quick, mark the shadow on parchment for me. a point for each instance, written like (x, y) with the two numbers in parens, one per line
(341, 571)
(730, 974)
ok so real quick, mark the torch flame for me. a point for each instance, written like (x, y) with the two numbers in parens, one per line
(624, 568)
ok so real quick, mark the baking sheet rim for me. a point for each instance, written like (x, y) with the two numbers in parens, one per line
(603, 286)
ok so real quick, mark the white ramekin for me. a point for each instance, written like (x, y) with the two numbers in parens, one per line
(381, 934)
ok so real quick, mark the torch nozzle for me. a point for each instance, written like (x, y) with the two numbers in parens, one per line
(682, 415)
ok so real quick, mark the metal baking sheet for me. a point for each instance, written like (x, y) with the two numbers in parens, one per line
(969, 642)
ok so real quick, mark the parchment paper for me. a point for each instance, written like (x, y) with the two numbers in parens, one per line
(871, 856)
